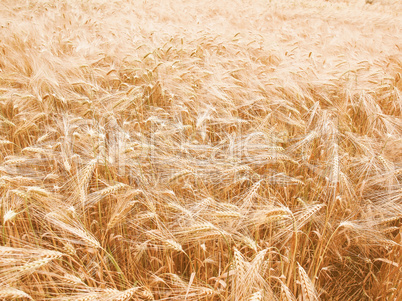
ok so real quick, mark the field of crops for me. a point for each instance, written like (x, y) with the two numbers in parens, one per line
(200, 150)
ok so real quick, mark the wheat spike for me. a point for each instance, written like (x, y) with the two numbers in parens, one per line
(86, 173)
(35, 150)
(69, 248)
(120, 212)
(239, 264)
(257, 263)
(228, 215)
(205, 291)
(9, 293)
(146, 294)
(125, 295)
(48, 256)
(37, 191)
(5, 142)
(251, 243)
(390, 229)
(73, 228)
(263, 217)
(334, 177)
(171, 244)
(286, 294)
(15, 161)
(72, 279)
(390, 219)
(250, 195)
(88, 297)
(179, 175)
(201, 227)
(308, 214)
(308, 290)
(257, 296)
(384, 162)
(19, 193)
(112, 189)
(9, 216)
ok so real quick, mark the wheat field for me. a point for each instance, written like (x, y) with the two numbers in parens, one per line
(200, 150)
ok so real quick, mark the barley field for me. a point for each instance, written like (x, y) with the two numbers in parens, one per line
(200, 150)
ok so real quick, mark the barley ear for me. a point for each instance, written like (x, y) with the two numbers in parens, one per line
(308, 291)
